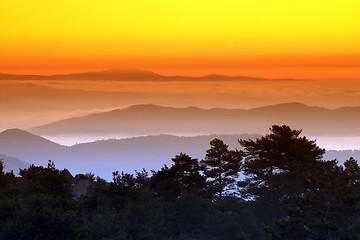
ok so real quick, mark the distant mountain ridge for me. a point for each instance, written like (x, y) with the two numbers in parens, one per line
(13, 164)
(153, 119)
(104, 157)
(124, 75)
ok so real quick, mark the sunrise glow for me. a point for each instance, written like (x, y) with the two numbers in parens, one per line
(73, 35)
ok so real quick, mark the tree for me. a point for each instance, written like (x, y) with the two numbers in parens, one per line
(6, 181)
(180, 189)
(222, 166)
(327, 210)
(183, 178)
(276, 166)
(38, 205)
(352, 169)
(5, 178)
(2, 166)
(49, 180)
(187, 173)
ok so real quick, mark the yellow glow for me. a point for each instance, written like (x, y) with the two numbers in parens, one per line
(67, 32)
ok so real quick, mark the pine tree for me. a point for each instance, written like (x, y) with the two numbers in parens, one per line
(327, 210)
(182, 178)
(221, 166)
(276, 166)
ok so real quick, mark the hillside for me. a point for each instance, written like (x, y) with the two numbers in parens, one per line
(28, 147)
(13, 164)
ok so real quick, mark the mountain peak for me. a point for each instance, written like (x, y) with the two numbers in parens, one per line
(16, 132)
(130, 71)
(141, 106)
(16, 135)
(294, 106)
(153, 107)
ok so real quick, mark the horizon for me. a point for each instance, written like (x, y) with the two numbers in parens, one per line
(306, 72)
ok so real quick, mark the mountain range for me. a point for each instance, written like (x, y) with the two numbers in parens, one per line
(107, 156)
(104, 157)
(153, 119)
(118, 75)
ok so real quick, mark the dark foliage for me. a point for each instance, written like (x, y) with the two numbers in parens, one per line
(289, 193)
(327, 210)
(276, 167)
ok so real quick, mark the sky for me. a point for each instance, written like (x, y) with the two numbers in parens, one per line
(277, 38)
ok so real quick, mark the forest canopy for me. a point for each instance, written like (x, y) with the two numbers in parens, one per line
(274, 187)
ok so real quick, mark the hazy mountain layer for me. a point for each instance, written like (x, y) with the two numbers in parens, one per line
(13, 164)
(35, 100)
(122, 75)
(104, 157)
(153, 119)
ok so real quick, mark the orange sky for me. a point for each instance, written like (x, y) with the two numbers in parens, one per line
(278, 38)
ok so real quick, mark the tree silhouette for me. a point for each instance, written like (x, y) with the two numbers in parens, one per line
(276, 166)
(327, 210)
(222, 166)
(182, 178)
(2, 166)
(288, 189)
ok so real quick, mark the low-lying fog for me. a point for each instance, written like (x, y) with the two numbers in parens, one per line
(327, 142)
